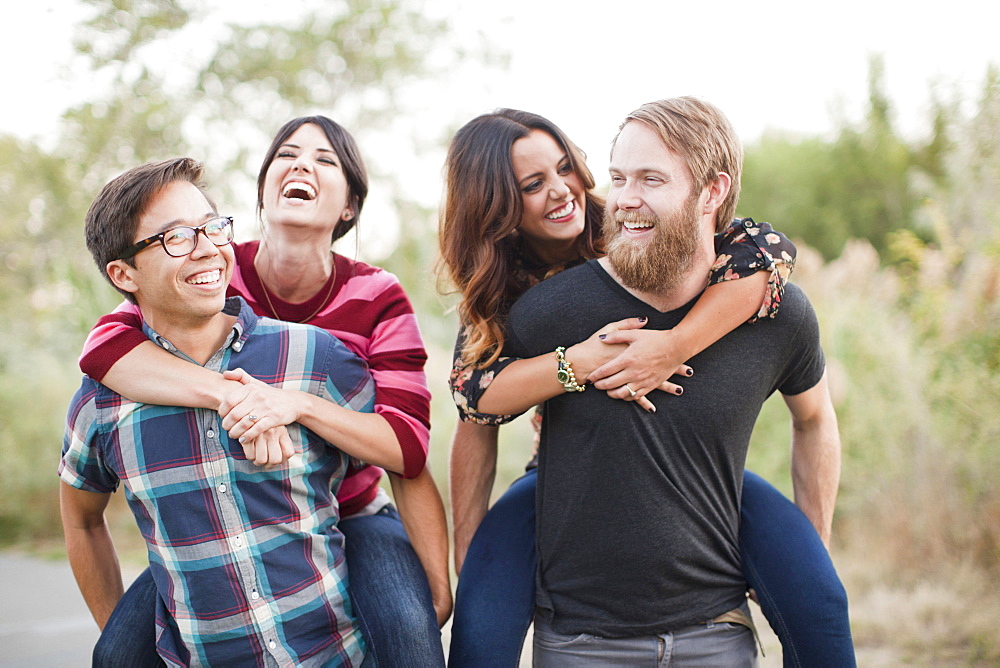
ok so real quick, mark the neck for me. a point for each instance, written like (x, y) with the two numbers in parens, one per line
(199, 339)
(293, 267)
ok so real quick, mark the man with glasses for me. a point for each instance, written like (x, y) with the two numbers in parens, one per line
(248, 562)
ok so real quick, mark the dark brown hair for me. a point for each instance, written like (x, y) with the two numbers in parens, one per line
(478, 233)
(114, 215)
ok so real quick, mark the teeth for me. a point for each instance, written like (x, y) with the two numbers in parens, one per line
(637, 225)
(297, 186)
(563, 212)
(206, 277)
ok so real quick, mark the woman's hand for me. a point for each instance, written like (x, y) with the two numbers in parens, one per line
(649, 359)
(256, 415)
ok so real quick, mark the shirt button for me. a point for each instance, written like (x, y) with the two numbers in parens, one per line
(222, 488)
(210, 433)
(272, 645)
(254, 595)
(165, 345)
(238, 346)
(238, 541)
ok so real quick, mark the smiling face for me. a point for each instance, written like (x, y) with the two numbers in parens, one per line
(305, 183)
(652, 227)
(552, 196)
(176, 292)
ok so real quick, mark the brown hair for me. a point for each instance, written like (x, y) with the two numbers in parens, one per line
(478, 233)
(704, 138)
(114, 215)
(351, 163)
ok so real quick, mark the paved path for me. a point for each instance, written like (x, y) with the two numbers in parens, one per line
(43, 619)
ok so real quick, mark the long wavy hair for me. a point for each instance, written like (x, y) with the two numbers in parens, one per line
(478, 235)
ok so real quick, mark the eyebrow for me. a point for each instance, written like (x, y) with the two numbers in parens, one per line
(565, 158)
(321, 149)
(179, 222)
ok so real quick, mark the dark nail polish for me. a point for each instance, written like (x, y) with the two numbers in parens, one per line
(689, 372)
(602, 336)
(679, 391)
(642, 318)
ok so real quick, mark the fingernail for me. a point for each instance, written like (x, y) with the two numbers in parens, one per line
(642, 318)
(602, 336)
(242, 440)
(679, 391)
(651, 409)
(689, 372)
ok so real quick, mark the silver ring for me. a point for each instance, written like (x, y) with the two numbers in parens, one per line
(630, 390)
(254, 418)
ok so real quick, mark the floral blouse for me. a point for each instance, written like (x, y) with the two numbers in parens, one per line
(744, 248)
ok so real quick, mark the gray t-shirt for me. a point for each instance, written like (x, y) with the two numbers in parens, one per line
(638, 513)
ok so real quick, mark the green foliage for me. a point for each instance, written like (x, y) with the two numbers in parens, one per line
(858, 186)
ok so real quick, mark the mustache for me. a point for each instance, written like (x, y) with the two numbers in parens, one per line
(622, 217)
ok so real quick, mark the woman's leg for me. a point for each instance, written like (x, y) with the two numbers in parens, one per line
(390, 593)
(495, 600)
(129, 637)
(788, 566)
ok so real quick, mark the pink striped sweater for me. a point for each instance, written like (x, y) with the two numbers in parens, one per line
(366, 309)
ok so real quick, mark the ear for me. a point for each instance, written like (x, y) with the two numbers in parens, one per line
(122, 275)
(715, 193)
(347, 214)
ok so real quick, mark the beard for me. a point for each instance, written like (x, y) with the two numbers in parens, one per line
(662, 262)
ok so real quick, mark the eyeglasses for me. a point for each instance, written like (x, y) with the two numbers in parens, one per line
(181, 241)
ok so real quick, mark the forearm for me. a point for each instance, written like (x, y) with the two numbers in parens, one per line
(92, 557)
(472, 470)
(523, 385)
(422, 512)
(816, 475)
(816, 461)
(153, 376)
(721, 308)
(366, 436)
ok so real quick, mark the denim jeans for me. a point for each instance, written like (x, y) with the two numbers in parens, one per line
(392, 599)
(389, 590)
(783, 560)
(706, 644)
(495, 600)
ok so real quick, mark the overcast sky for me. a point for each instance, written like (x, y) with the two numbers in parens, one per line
(768, 64)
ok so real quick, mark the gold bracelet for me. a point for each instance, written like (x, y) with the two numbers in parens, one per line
(564, 373)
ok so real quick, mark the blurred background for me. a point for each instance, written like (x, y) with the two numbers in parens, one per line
(872, 138)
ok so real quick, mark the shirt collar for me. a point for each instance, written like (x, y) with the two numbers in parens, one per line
(246, 321)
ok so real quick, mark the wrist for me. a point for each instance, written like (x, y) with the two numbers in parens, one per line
(565, 374)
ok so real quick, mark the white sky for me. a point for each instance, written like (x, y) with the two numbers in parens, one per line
(584, 64)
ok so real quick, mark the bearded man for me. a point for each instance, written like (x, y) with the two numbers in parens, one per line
(637, 511)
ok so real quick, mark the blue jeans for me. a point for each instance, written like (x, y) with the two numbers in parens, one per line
(392, 599)
(783, 560)
(389, 590)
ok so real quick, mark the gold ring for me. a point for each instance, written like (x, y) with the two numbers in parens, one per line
(630, 390)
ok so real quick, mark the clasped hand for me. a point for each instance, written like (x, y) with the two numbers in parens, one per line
(629, 362)
(256, 415)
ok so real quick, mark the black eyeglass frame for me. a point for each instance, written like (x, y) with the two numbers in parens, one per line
(132, 250)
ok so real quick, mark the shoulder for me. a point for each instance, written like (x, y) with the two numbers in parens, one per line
(361, 280)
(569, 284)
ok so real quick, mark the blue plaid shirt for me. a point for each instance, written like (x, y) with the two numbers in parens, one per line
(248, 562)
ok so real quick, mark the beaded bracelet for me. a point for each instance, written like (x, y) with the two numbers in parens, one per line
(564, 373)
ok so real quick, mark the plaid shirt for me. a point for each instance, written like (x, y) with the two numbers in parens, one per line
(249, 562)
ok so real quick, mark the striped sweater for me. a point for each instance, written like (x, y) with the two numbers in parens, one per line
(366, 308)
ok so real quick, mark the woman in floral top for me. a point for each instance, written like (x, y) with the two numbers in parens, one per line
(519, 208)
